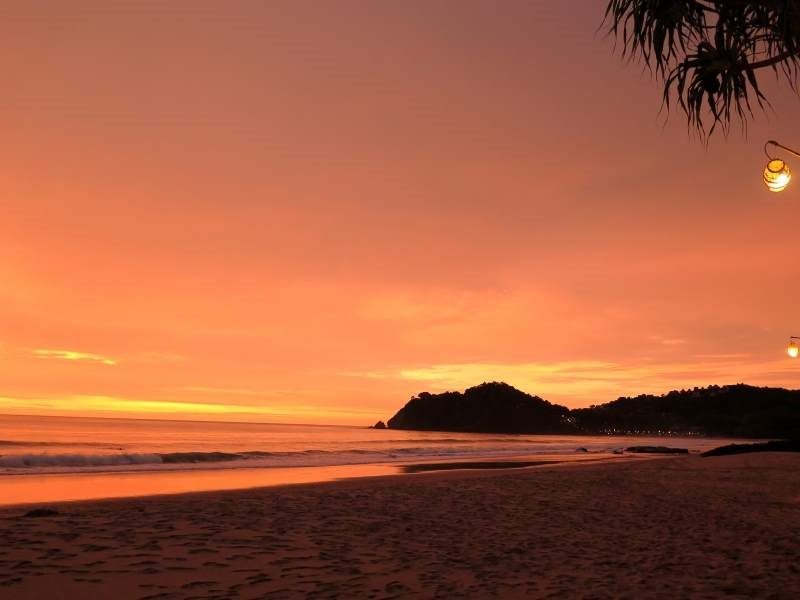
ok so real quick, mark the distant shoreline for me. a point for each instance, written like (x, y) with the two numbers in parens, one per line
(70, 488)
(730, 411)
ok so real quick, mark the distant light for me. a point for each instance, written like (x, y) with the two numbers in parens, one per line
(793, 350)
(777, 175)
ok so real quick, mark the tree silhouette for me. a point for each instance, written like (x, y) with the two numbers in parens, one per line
(728, 411)
(707, 52)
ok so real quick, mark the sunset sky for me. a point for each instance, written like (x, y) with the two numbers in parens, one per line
(308, 211)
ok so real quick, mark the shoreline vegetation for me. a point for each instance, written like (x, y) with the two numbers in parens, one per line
(731, 411)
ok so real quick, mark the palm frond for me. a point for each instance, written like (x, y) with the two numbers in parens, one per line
(708, 52)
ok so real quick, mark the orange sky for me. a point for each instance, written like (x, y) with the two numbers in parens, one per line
(309, 211)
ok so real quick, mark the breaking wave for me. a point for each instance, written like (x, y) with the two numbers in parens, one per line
(62, 463)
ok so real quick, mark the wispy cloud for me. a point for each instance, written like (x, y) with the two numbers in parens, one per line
(106, 405)
(581, 382)
(74, 356)
(667, 341)
(232, 391)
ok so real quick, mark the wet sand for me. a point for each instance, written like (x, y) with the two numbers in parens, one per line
(668, 528)
(133, 482)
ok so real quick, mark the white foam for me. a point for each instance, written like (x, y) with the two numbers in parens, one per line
(21, 461)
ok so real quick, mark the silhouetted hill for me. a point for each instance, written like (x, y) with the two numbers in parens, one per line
(730, 411)
(489, 407)
(727, 411)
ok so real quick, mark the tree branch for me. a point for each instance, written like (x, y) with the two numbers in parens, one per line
(768, 62)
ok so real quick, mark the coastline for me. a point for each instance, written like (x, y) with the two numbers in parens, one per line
(673, 527)
(56, 488)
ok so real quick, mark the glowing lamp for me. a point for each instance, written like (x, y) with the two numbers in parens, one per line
(777, 175)
(793, 350)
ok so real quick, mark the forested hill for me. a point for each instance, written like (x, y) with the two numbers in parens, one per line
(729, 411)
(489, 407)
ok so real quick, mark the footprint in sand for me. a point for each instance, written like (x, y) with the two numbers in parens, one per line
(197, 584)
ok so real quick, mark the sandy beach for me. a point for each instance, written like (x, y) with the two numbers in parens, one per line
(668, 528)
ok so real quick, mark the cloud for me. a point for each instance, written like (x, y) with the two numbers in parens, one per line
(669, 341)
(228, 391)
(74, 356)
(108, 405)
(578, 383)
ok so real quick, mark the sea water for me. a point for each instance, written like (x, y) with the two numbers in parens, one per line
(67, 458)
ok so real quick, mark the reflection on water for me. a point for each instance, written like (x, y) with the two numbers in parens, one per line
(46, 459)
(25, 489)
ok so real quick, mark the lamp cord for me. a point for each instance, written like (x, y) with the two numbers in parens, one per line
(779, 145)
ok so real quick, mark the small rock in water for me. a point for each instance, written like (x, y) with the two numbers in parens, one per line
(379, 425)
(581, 449)
(656, 450)
(41, 512)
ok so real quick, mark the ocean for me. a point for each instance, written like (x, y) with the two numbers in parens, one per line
(67, 458)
